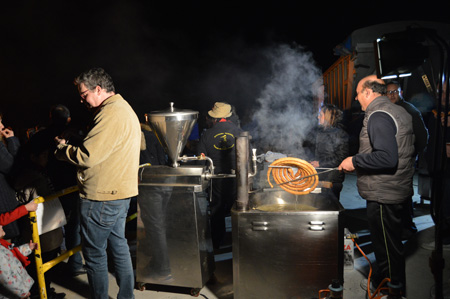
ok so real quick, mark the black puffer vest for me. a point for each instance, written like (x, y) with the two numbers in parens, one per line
(390, 186)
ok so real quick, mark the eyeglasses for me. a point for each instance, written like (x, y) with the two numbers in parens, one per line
(83, 95)
(391, 92)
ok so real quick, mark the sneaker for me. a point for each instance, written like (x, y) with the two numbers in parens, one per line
(363, 285)
(432, 246)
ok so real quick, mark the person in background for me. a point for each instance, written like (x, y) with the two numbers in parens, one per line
(31, 181)
(151, 150)
(9, 148)
(63, 175)
(15, 282)
(108, 164)
(438, 163)
(218, 143)
(331, 146)
(395, 93)
(192, 143)
(384, 166)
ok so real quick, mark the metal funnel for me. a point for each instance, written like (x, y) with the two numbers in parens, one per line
(172, 127)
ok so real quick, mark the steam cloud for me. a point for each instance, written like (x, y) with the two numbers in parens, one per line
(286, 113)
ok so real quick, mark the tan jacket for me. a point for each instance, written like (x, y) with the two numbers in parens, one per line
(108, 160)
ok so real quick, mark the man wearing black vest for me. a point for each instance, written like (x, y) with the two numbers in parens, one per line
(384, 167)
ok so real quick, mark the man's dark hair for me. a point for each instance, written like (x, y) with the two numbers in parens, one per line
(59, 114)
(95, 77)
(375, 86)
(394, 82)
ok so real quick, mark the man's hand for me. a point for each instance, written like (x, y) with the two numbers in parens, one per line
(60, 140)
(7, 132)
(347, 165)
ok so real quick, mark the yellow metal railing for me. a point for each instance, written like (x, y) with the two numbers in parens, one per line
(41, 267)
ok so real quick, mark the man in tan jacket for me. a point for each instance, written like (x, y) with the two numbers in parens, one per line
(108, 162)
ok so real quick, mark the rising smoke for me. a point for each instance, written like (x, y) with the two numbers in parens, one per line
(286, 114)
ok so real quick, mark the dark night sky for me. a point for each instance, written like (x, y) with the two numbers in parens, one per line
(192, 52)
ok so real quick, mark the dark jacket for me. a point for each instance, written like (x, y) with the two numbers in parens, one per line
(8, 200)
(377, 183)
(151, 150)
(331, 148)
(419, 128)
(219, 143)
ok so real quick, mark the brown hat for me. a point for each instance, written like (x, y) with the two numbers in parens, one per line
(220, 110)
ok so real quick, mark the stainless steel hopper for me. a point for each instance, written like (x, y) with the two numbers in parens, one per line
(172, 127)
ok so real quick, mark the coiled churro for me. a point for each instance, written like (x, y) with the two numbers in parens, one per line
(290, 181)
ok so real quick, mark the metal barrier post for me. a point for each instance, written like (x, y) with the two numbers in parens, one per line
(38, 256)
(41, 267)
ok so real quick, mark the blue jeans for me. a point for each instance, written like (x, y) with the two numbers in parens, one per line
(102, 226)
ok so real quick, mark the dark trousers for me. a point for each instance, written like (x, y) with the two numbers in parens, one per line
(385, 223)
(223, 198)
(71, 203)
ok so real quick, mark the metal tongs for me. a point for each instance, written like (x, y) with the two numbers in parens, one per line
(325, 169)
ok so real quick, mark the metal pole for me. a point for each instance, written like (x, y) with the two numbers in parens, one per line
(242, 153)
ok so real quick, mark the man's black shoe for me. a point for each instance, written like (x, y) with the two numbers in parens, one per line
(82, 270)
(53, 295)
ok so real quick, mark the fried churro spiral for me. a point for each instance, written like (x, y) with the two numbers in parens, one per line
(283, 176)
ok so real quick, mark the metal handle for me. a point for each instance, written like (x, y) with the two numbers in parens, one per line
(260, 225)
(316, 222)
(316, 225)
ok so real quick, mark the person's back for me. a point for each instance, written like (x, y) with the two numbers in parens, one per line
(219, 144)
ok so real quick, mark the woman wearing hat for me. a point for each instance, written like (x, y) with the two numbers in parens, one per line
(218, 143)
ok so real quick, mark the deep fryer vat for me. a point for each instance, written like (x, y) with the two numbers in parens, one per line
(287, 253)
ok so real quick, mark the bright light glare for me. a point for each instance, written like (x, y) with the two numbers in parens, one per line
(280, 201)
(389, 77)
(405, 75)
